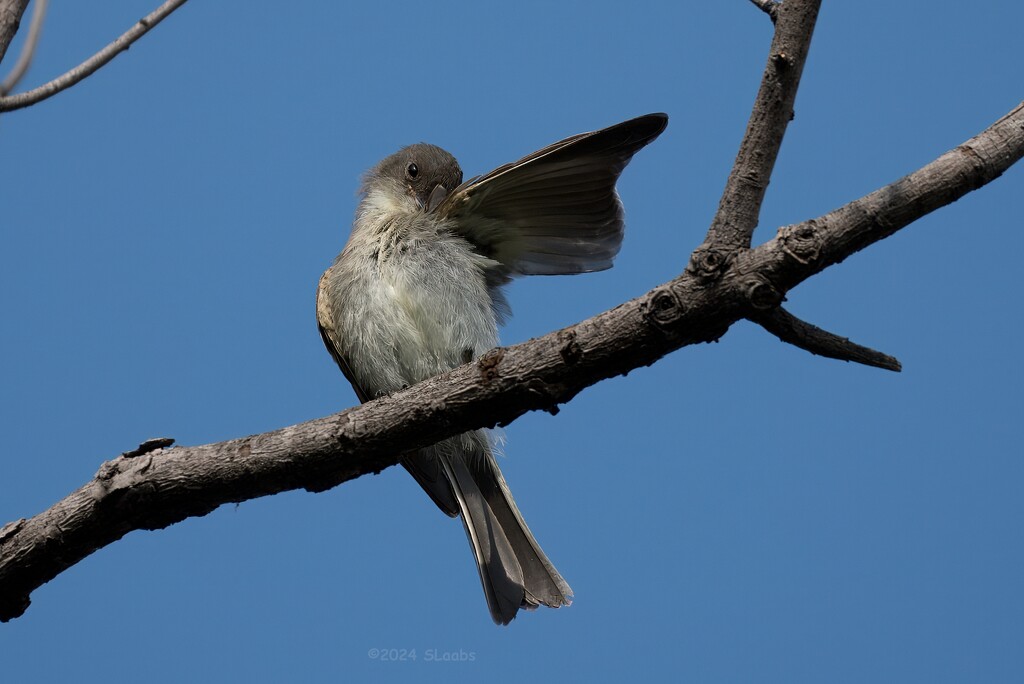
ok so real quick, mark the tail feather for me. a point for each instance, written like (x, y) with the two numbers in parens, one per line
(427, 469)
(514, 571)
(542, 582)
(496, 560)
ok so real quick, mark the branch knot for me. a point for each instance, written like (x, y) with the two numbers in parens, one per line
(761, 294)
(801, 241)
(708, 264)
(781, 60)
(664, 308)
(570, 351)
(11, 528)
(148, 446)
(488, 364)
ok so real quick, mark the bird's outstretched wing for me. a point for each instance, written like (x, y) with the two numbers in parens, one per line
(554, 211)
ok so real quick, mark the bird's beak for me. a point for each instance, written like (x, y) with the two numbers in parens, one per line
(437, 196)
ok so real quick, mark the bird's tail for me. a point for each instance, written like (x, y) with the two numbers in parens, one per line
(513, 569)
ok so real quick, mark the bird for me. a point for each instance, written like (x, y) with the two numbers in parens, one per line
(417, 291)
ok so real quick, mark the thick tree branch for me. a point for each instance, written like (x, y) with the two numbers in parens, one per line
(740, 206)
(28, 50)
(11, 12)
(792, 330)
(92, 64)
(161, 487)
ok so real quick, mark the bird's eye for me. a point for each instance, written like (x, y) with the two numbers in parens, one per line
(412, 170)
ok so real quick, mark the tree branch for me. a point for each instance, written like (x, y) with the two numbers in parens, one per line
(11, 12)
(799, 251)
(792, 330)
(164, 486)
(28, 50)
(738, 210)
(91, 65)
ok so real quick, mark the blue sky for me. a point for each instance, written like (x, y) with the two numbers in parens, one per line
(740, 511)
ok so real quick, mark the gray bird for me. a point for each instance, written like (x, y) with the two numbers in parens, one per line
(417, 292)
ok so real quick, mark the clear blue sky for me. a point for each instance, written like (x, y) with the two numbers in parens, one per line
(740, 511)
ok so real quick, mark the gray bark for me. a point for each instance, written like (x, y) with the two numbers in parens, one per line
(10, 19)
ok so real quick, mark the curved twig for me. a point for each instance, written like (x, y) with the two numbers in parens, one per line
(28, 50)
(802, 334)
(91, 65)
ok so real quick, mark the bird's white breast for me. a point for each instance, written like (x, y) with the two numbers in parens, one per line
(416, 302)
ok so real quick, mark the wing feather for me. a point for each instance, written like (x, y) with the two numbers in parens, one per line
(556, 210)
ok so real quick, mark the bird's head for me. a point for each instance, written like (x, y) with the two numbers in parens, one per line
(421, 176)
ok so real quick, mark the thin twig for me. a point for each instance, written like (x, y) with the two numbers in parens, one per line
(792, 330)
(28, 50)
(90, 65)
(770, 7)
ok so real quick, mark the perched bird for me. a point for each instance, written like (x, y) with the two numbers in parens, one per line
(417, 292)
